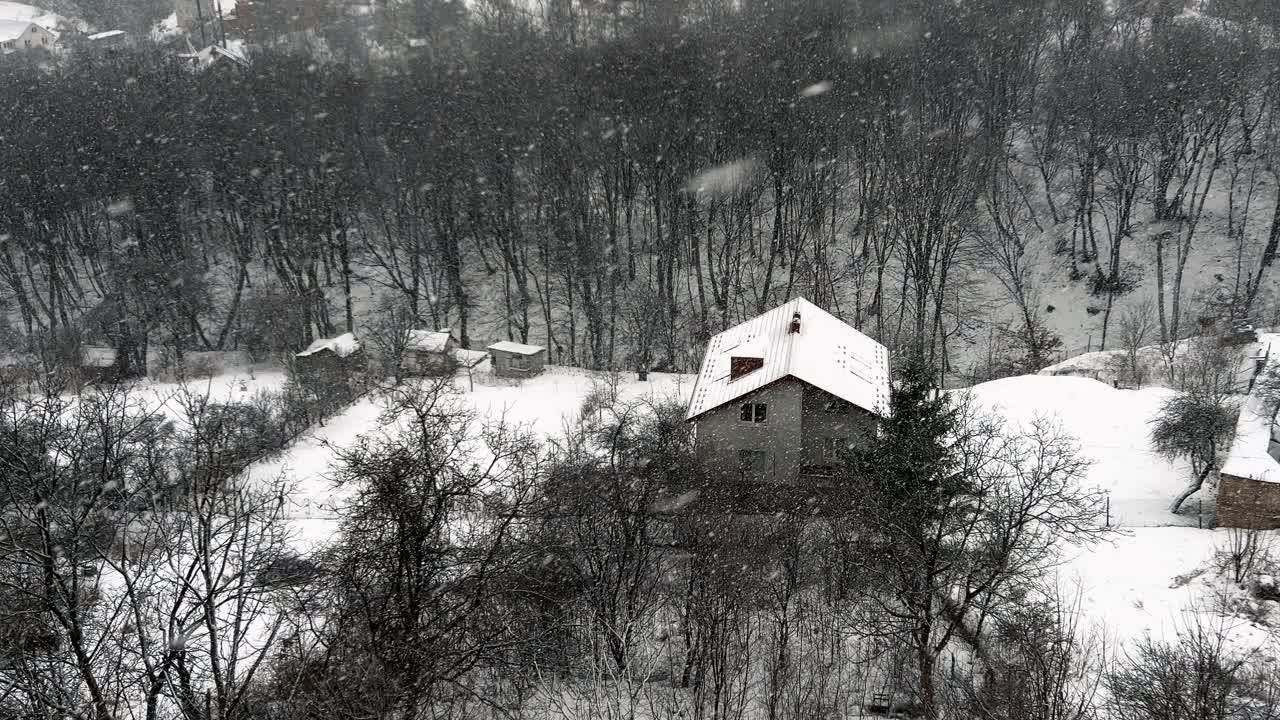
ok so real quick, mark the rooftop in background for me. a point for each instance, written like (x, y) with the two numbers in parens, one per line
(428, 340)
(517, 348)
(97, 356)
(208, 57)
(107, 35)
(1250, 456)
(342, 346)
(825, 353)
(13, 29)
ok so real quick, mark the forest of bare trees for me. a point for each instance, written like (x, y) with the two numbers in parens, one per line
(619, 182)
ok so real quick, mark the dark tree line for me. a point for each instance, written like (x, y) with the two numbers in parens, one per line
(619, 183)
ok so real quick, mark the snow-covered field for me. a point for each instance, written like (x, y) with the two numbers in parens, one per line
(1144, 580)
(1112, 427)
(542, 404)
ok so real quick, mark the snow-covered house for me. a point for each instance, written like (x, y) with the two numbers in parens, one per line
(428, 351)
(22, 35)
(513, 359)
(1249, 480)
(779, 396)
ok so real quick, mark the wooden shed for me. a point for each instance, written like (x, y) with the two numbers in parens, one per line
(513, 359)
(334, 357)
(429, 352)
(98, 364)
(1249, 481)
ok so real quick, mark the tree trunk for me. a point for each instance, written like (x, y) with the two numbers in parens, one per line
(1191, 489)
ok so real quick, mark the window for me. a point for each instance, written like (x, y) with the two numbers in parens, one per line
(833, 447)
(837, 406)
(519, 362)
(739, 366)
(754, 412)
(28, 43)
(753, 463)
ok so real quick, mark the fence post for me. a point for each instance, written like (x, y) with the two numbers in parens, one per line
(1108, 508)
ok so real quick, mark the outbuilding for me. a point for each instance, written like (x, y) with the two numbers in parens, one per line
(429, 352)
(334, 357)
(1249, 481)
(513, 359)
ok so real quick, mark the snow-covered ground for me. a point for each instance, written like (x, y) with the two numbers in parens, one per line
(1156, 569)
(542, 404)
(1113, 429)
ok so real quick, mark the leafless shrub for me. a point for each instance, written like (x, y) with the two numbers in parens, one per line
(1041, 662)
(1197, 676)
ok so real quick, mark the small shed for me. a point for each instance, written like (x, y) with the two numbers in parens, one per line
(335, 356)
(429, 352)
(513, 359)
(1249, 481)
(98, 363)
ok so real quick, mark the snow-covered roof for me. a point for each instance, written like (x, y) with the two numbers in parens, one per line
(13, 29)
(211, 55)
(106, 35)
(826, 353)
(96, 356)
(428, 340)
(517, 348)
(1249, 456)
(342, 346)
(470, 358)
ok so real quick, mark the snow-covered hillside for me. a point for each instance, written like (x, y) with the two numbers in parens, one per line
(1112, 427)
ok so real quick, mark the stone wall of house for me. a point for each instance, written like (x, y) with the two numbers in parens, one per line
(722, 434)
(1245, 503)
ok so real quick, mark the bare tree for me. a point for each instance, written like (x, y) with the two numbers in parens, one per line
(389, 334)
(410, 608)
(1137, 326)
(1043, 662)
(1198, 676)
(1199, 421)
(958, 513)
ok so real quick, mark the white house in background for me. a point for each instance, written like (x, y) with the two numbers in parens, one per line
(23, 35)
(780, 396)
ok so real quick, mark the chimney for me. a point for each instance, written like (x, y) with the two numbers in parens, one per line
(794, 329)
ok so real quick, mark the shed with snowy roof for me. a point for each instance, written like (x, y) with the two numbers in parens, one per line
(513, 359)
(1249, 480)
(331, 358)
(429, 352)
(781, 396)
